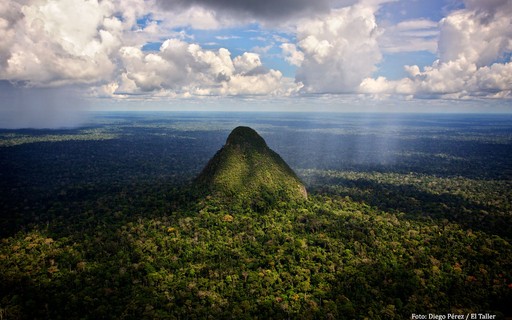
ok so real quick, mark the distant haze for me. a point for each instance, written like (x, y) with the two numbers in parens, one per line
(40, 108)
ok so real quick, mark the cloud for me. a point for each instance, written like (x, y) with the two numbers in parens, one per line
(291, 54)
(184, 69)
(264, 10)
(488, 7)
(474, 57)
(193, 16)
(53, 43)
(227, 37)
(410, 36)
(472, 35)
(47, 43)
(339, 50)
(335, 46)
(263, 50)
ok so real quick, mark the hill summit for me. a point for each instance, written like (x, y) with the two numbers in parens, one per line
(246, 170)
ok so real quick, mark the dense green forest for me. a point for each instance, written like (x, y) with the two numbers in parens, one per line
(406, 214)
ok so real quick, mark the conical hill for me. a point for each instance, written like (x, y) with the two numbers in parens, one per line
(246, 170)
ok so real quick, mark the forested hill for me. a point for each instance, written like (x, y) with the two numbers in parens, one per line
(246, 171)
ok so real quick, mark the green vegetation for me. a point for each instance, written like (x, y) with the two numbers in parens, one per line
(475, 204)
(247, 172)
(14, 139)
(96, 229)
(329, 257)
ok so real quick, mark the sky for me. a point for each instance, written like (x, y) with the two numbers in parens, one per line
(62, 58)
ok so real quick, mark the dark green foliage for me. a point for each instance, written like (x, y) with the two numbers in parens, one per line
(477, 204)
(327, 257)
(247, 172)
(103, 228)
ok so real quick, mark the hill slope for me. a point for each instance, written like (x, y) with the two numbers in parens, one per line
(246, 170)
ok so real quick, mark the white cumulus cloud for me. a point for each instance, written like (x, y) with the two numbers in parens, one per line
(291, 54)
(49, 43)
(338, 50)
(335, 49)
(473, 47)
(183, 69)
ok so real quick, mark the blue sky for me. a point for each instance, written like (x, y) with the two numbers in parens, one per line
(433, 10)
(341, 55)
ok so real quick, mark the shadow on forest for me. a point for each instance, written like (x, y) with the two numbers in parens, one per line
(419, 205)
(42, 181)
